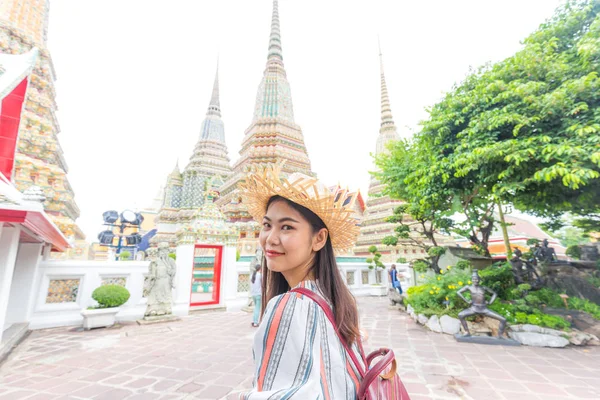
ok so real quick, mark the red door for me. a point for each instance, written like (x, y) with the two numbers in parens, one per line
(206, 275)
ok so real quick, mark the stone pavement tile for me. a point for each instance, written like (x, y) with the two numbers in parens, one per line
(16, 395)
(118, 380)
(114, 394)
(43, 396)
(47, 384)
(581, 373)
(162, 372)
(164, 385)
(184, 374)
(140, 383)
(543, 389)
(582, 392)
(507, 385)
(190, 388)
(529, 377)
(416, 388)
(495, 373)
(96, 376)
(213, 392)
(144, 396)
(121, 367)
(230, 379)
(68, 387)
(141, 370)
(90, 391)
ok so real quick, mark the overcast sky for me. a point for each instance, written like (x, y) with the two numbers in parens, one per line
(135, 79)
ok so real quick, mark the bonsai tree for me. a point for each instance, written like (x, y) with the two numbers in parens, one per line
(110, 296)
(124, 255)
(374, 263)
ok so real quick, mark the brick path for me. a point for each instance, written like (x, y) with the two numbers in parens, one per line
(208, 356)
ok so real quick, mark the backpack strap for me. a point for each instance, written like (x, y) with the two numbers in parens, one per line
(327, 310)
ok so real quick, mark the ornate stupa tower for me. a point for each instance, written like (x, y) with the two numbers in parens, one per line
(373, 225)
(207, 169)
(39, 159)
(272, 137)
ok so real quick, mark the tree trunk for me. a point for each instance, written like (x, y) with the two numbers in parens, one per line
(504, 230)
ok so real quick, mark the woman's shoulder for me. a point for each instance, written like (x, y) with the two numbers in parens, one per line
(290, 303)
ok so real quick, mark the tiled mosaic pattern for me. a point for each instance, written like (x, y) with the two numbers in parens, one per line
(365, 277)
(62, 291)
(350, 281)
(121, 281)
(243, 283)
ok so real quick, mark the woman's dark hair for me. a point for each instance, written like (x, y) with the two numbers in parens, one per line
(253, 279)
(325, 271)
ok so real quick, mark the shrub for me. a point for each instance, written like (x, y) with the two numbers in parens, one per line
(585, 305)
(420, 266)
(499, 278)
(401, 260)
(521, 317)
(574, 252)
(124, 255)
(110, 296)
(534, 319)
(550, 298)
(464, 265)
(554, 322)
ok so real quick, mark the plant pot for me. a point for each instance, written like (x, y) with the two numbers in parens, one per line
(99, 318)
(378, 290)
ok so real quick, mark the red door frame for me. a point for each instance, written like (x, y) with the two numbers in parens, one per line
(217, 274)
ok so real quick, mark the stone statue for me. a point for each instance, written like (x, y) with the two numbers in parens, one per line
(478, 304)
(159, 283)
(545, 253)
(524, 271)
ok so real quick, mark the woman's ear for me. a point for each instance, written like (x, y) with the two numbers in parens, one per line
(320, 239)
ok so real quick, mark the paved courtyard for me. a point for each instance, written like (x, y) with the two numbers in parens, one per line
(208, 356)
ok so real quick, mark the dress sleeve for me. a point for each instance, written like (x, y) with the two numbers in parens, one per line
(286, 351)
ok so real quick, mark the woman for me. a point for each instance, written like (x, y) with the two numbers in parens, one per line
(256, 293)
(394, 279)
(297, 353)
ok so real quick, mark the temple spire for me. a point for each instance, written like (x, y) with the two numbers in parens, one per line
(275, 51)
(387, 121)
(214, 108)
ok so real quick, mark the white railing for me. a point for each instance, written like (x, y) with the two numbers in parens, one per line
(357, 276)
(64, 288)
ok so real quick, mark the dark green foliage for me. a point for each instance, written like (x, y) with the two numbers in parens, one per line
(574, 252)
(550, 298)
(463, 265)
(499, 278)
(585, 305)
(109, 296)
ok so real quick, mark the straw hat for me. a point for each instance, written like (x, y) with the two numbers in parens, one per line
(334, 208)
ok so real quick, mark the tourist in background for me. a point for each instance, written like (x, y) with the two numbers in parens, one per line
(394, 279)
(256, 293)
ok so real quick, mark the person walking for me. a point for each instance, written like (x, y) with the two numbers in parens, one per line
(394, 279)
(256, 293)
(297, 353)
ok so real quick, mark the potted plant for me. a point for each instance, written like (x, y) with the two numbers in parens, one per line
(109, 298)
(377, 289)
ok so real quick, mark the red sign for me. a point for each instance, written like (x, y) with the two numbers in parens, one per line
(10, 117)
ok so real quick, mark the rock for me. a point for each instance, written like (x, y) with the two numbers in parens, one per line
(450, 325)
(395, 297)
(434, 324)
(492, 324)
(422, 319)
(594, 342)
(478, 328)
(581, 320)
(579, 338)
(538, 339)
(536, 329)
(410, 309)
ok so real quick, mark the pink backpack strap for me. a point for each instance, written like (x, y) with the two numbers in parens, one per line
(327, 310)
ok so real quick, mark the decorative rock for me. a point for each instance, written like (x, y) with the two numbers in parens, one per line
(422, 319)
(536, 329)
(410, 309)
(449, 325)
(434, 324)
(581, 338)
(538, 339)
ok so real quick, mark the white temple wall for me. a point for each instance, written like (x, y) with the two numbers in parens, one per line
(9, 245)
(22, 290)
(183, 279)
(64, 288)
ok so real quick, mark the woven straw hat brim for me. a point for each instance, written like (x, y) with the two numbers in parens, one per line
(335, 209)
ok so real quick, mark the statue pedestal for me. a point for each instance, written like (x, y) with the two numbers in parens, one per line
(158, 319)
(491, 340)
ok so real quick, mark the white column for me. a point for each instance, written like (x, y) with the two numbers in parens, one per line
(22, 292)
(9, 246)
(183, 279)
(229, 275)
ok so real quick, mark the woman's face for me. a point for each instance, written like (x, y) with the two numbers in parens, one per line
(288, 242)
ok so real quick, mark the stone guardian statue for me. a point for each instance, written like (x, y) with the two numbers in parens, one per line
(160, 283)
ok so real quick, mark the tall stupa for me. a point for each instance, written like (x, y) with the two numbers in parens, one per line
(373, 226)
(207, 169)
(39, 160)
(272, 137)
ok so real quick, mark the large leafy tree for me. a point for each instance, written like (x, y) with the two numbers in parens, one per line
(524, 131)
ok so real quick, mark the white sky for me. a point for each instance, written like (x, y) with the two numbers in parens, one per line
(135, 78)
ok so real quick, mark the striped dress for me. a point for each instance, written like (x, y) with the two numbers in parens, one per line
(297, 354)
